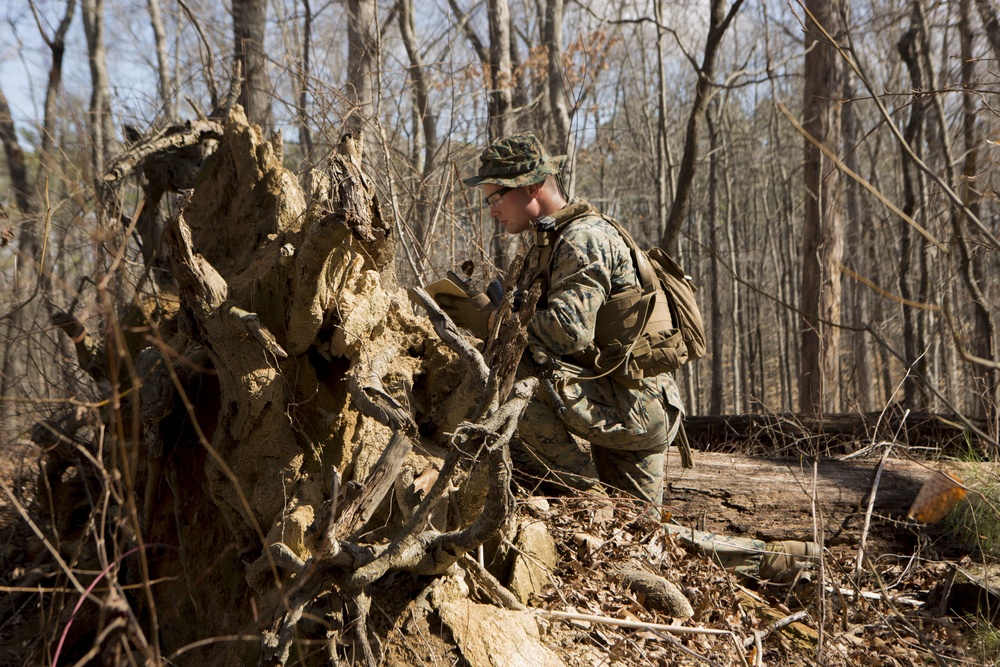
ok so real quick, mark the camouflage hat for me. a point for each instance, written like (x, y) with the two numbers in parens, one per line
(515, 161)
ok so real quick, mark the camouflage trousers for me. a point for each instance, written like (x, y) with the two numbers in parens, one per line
(628, 429)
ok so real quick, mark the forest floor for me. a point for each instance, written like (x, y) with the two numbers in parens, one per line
(884, 615)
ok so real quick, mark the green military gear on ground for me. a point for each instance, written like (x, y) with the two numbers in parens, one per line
(758, 559)
(471, 312)
(515, 161)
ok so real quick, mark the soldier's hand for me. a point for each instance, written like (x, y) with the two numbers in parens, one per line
(473, 312)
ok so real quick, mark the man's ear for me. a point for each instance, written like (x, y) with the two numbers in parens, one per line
(535, 188)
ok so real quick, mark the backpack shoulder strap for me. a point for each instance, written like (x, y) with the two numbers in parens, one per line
(547, 233)
(643, 269)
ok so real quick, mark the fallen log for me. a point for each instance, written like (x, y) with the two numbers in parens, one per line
(785, 498)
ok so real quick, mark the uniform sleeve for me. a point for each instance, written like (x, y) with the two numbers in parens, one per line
(580, 282)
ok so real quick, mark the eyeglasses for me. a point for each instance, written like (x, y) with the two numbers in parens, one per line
(494, 199)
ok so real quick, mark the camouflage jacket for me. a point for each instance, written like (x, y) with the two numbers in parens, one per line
(589, 262)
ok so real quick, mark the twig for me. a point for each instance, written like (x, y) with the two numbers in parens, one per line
(625, 623)
(868, 595)
(868, 511)
(778, 625)
(684, 649)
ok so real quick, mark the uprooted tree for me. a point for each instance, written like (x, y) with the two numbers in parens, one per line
(268, 392)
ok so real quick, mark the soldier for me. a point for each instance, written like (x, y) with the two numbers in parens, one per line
(627, 418)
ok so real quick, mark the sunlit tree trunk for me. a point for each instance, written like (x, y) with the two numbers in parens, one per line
(823, 242)
(501, 95)
(425, 122)
(562, 140)
(102, 127)
(360, 62)
(249, 18)
(305, 131)
(863, 384)
(162, 60)
(662, 162)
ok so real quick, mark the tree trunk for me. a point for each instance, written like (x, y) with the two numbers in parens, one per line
(426, 122)
(822, 247)
(360, 63)
(715, 405)
(857, 225)
(986, 349)
(162, 61)
(249, 23)
(102, 126)
(501, 94)
(13, 366)
(662, 159)
(915, 396)
(772, 498)
(991, 26)
(57, 45)
(15, 160)
(557, 94)
(304, 73)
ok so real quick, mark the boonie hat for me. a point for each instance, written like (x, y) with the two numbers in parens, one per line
(516, 161)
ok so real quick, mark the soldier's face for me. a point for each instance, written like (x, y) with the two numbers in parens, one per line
(511, 207)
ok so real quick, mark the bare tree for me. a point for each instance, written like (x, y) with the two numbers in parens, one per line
(822, 243)
(162, 60)
(360, 61)
(304, 73)
(991, 26)
(57, 46)
(102, 127)
(557, 93)
(15, 158)
(249, 19)
(719, 22)
(501, 76)
(910, 46)
(424, 120)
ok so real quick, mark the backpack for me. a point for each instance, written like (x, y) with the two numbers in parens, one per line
(672, 330)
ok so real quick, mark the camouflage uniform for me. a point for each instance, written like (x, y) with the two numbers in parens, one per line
(628, 424)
